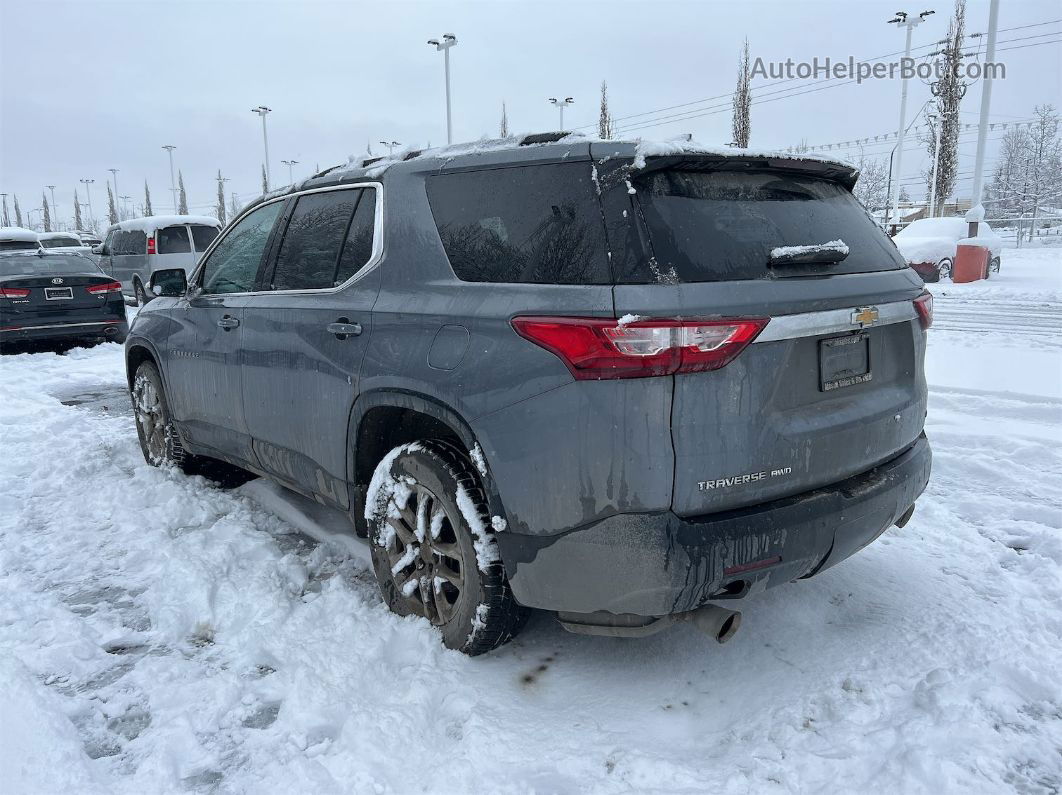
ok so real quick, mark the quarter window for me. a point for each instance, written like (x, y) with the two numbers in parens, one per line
(309, 254)
(172, 240)
(232, 266)
(357, 250)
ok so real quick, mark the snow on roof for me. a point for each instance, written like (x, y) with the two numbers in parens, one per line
(153, 222)
(646, 149)
(58, 236)
(18, 233)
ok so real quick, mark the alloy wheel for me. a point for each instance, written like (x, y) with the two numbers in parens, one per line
(148, 409)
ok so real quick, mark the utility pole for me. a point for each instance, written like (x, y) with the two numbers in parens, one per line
(114, 176)
(55, 215)
(88, 192)
(561, 104)
(173, 183)
(902, 20)
(448, 41)
(390, 146)
(262, 110)
(976, 212)
(289, 164)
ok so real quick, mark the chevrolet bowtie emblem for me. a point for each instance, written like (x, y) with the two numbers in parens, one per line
(865, 316)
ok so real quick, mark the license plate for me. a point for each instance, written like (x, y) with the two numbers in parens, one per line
(844, 361)
(58, 293)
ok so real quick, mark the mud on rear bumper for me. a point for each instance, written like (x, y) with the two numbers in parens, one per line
(658, 564)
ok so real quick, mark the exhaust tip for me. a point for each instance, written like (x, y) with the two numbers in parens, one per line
(720, 623)
(729, 628)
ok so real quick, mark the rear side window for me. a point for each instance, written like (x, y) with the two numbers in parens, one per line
(357, 250)
(203, 236)
(18, 245)
(309, 253)
(172, 240)
(128, 243)
(718, 226)
(530, 224)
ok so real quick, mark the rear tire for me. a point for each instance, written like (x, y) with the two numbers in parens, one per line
(429, 559)
(159, 440)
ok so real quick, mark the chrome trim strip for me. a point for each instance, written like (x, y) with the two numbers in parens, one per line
(813, 324)
(60, 325)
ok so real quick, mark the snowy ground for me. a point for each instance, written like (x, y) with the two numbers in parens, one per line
(158, 634)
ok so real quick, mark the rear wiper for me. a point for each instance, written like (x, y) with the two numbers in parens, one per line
(821, 254)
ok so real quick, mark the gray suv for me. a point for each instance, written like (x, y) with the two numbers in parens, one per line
(628, 386)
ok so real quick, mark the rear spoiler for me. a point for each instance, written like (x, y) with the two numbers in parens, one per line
(823, 169)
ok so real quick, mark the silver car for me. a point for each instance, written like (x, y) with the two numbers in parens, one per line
(135, 249)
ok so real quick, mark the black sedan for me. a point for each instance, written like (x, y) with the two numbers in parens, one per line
(60, 298)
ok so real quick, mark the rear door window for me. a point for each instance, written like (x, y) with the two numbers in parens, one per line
(172, 240)
(309, 253)
(715, 226)
(203, 236)
(530, 224)
(129, 243)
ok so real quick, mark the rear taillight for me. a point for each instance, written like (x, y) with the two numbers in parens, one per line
(595, 349)
(151, 244)
(924, 307)
(108, 287)
(14, 292)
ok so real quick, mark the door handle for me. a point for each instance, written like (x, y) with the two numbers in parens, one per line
(228, 322)
(343, 328)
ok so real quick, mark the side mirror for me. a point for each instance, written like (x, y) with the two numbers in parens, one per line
(171, 282)
(98, 249)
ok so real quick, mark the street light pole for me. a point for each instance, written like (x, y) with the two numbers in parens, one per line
(561, 104)
(55, 215)
(262, 110)
(976, 213)
(173, 183)
(903, 20)
(390, 146)
(448, 41)
(289, 164)
(114, 176)
(88, 192)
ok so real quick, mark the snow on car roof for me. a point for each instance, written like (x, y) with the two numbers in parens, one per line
(58, 236)
(152, 222)
(18, 233)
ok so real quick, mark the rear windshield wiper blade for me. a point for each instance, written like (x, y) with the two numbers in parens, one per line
(820, 254)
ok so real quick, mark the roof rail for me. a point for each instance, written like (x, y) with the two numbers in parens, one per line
(543, 138)
(413, 154)
(370, 160)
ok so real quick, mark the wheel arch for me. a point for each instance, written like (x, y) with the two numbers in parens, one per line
(138, 351)
(382, 420)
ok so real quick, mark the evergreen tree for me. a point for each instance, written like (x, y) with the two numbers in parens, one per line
(221, 198)
(265, 182)
(18, 213)
(78, 223)
(182, 198)
(606, 127)
(112, 212)
(503, 128)
(949, 91)
(741, 121)
(46, 216)
(147, 200)
(7, 217)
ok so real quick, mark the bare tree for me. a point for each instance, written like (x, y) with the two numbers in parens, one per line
(949, 91)
(220, 209)
(741, 121)
(112, 212)
(182, 197)
(606, 125)
(1028, 172)
(872, 186)
(147, 200)
(78, 223)
(46, 215)
(503, 126)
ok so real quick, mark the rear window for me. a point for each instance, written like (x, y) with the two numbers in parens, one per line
(172, 240)
(203, 236)
(47, 264)
(723, 225)
(530, 224)
(61, 242)
(18, 245)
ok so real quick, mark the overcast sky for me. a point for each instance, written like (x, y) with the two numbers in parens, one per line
(87, 86)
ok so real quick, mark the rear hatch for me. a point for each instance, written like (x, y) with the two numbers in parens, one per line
(833, 385)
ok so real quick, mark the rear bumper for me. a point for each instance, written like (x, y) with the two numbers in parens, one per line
(81, 329)
(658, 564)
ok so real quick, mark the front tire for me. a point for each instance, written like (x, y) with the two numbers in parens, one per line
(944, 269)
(155, 428)
(140, 293)
(432, 551)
